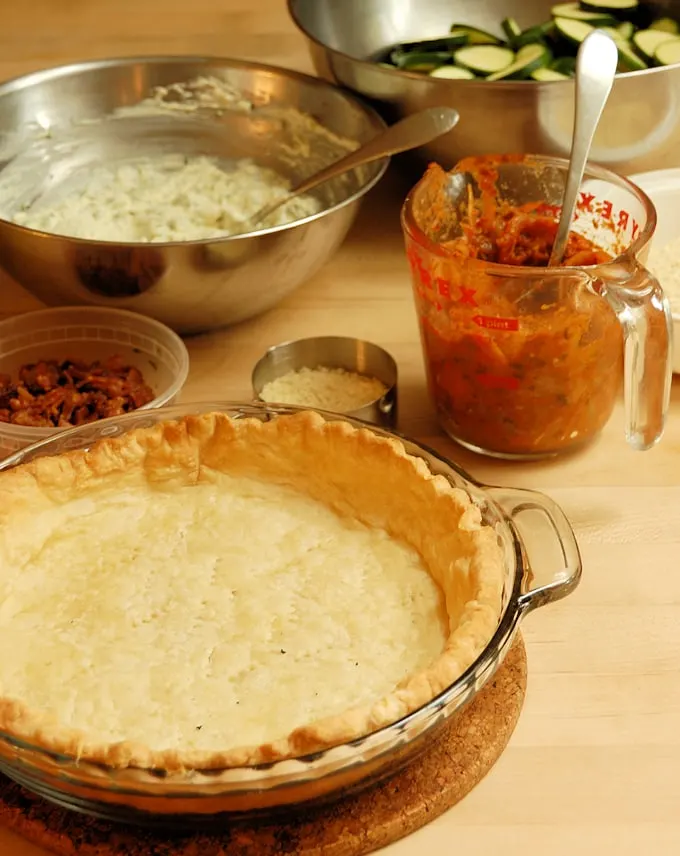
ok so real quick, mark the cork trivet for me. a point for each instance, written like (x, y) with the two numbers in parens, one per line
(431, 784)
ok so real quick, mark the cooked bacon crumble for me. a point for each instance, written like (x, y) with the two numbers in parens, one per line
(61, 394)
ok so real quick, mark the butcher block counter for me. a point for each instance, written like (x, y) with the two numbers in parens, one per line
(593, 764)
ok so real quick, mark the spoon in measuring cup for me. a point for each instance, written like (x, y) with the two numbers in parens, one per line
(413, 131)
(595, 69)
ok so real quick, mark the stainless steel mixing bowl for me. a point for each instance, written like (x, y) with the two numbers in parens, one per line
(47, 134)
(640, 129)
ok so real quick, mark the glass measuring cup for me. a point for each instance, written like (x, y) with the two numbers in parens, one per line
(526, 361)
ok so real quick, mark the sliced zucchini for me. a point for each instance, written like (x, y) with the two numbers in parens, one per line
(646, 42)
(613, 33)
(547, 75)
(527, 59)
(452, 72)
(511, 29)
(475, 36)
(668, 25)
(448, 42)
(417, 61)
(484, 59)
(532, 35)
(576, 13)
(572, 30)
(564, 65)
(628, 59)
(611, 6)
(669, 52)
(626, 30)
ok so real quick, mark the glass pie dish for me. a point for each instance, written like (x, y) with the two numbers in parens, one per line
(542, 564)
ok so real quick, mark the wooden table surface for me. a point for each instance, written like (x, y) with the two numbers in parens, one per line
(593, 766)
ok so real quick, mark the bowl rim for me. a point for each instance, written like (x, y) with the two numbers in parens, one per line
(23, 82)
(505, 85)
(116, 318)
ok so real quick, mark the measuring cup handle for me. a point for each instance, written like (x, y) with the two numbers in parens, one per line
(645, 316)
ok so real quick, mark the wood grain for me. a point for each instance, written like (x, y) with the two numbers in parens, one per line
(593, 764)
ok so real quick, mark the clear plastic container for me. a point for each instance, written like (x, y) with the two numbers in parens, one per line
(90, 333)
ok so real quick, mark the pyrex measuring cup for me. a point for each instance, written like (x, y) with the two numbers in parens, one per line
(525, 361)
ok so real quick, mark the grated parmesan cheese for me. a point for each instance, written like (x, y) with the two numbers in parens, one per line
(168, 198)
(332, 389)
(664, 263)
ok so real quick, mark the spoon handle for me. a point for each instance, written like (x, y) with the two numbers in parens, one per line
(409, 133)
(595, 69)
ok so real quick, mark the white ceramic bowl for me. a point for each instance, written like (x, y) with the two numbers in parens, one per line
(663, 188)
(90, 333)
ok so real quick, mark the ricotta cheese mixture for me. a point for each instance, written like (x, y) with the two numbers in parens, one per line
(168, 198)
(219, 614)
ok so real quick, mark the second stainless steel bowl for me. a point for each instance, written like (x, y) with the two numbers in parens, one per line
(640, 129)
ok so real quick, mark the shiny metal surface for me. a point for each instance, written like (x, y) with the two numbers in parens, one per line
(542, 565)
(344, 352)
(595, 70)
(190, 286)
(641, 123)
(408, 133)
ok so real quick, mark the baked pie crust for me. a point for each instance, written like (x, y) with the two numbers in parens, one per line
(88, 536)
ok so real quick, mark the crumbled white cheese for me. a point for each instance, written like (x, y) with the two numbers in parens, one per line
(169, 198)
(326, 388)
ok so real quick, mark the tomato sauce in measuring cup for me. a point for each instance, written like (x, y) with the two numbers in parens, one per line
(524, 360)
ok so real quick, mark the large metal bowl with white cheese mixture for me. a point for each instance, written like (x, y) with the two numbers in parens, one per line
(60, 127)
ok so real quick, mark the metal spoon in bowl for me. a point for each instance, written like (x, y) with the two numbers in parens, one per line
(409, 133)
(595, 69)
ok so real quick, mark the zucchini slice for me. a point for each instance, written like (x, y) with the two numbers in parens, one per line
(647, 41)
(628, 59)
(547, 75)
(576, 13)
(668, 25)
(614, 33)
(448, 42)
(452, 72)
(572, 30)
(475, 36)
(511, 29)
(668, 53)
(564, 65)
(534, 35)
(484, 59)
(611, 6)
(626, 30)
(420, 61)
(528, 59)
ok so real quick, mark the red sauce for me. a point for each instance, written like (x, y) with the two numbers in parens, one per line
(521, 365)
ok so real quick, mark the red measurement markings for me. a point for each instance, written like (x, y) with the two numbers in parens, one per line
(508, 324)
(585, 201)
(498, 381)
(467, 296)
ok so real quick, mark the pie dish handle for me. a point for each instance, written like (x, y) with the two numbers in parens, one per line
(550, 554)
